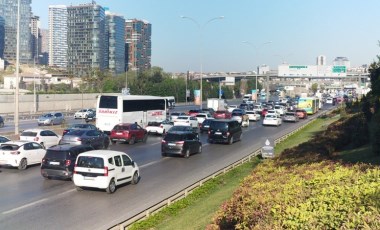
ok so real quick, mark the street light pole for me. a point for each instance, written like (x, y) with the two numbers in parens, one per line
(17, 70)
(201, 27)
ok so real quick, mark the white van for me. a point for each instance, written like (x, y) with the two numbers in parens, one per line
(104, 169)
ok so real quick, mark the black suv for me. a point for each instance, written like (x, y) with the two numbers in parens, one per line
(181, 143)
(59, 160)
(224, 131)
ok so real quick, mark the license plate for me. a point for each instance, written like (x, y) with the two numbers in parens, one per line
(119, 133)
(218, 133)
(54, 163)
(88, 178)
(171, 144)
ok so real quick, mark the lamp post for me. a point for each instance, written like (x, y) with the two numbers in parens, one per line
(201, 27)
(257, 52)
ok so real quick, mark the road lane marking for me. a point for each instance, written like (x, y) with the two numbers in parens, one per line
(35, 203)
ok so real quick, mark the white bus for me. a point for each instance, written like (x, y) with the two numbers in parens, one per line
(115, 109)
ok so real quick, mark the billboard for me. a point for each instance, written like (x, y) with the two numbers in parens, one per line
(197, 97)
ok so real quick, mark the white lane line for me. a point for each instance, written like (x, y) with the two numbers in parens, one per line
(35, 202)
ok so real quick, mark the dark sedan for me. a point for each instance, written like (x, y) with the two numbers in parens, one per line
(182, 143)
(97, 139)
(80, 127)
(205, 125)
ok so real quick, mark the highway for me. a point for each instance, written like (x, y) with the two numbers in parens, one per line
(29, 201)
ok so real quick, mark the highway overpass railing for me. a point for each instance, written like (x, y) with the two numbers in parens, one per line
(185, 192)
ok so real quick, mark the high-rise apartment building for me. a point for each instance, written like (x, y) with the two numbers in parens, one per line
(138, 37)
(58, 36)
(2, 34)
(321, 60)
(35, 39)
(86, 39)
(44, 55)
(8, 11)
(115, 42)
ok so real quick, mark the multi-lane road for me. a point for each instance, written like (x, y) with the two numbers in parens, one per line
(28, 201)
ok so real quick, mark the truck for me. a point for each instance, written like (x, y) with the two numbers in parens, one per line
(309, 104)
(216, 104)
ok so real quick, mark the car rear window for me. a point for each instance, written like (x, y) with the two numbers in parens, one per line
(9, 147)
(55, 154)
(174, 137)
(290, 114)
(121, 127)
(154, 123)
(76, 132)
(90, 162)
(28, 134)
(219, 125)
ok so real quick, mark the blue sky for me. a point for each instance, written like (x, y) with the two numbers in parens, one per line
(299, 31)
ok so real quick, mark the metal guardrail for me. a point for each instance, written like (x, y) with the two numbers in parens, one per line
(182, 194)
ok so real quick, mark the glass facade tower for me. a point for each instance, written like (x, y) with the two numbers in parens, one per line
(58, 36)
(8, 12)
(86, 39)
(115, 42)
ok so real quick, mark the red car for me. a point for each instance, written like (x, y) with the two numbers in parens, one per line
(194, 112)
(301, 113)
(222, 114)
(264, 112)
(128, 132)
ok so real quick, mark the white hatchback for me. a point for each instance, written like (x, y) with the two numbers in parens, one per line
(271, 119)
(104, 169)
(45, 137)
(186, 121)
(20, 154)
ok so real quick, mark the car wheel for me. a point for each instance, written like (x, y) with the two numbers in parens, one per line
(131, 141)
(113, 142)
(135, 178)
(106, 144)
(163, 154)
(42, 144)
(23, 164)
(79, 188)
(145, 138)
(47, 177)
(187, 153)
(210, 141)
(200, 149)
(240, 136)
(111, 187)
(1, 124)
(231, 140)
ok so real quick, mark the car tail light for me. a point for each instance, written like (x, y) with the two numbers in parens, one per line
(105, 171)
(36, 139)
(163, 141)
(161, 126)
(179, 142)
(43, 160)
(228, 133)
(78, 139)
(209, 132)
(15, 152)
(126, 132)
(75, 167)
(67, 162)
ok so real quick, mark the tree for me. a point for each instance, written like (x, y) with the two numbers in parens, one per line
(314, 87)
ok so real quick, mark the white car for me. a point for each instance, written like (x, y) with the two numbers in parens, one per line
(271, 119)
(174, 115)
(258, 108)
(20, 154)
(273, 112)
(104, 169)
(279, 109)
(44, 137)
(253, 115)
(232, 107)
(159, 127)
(83, 113)
(203, 116)
(329, 100)
(186, 121)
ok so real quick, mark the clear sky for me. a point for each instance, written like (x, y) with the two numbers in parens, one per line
(299, 31)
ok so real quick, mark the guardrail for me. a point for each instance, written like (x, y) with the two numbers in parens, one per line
(182, 194)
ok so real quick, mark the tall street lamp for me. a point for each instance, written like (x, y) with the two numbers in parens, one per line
(257, 53)
(201, 27)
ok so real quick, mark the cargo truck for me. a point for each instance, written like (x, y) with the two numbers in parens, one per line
(216, 104)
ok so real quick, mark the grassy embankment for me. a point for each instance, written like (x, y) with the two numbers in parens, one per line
(197, 210)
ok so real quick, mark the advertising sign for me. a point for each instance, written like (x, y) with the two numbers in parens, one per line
(197, 97)
(254, 94)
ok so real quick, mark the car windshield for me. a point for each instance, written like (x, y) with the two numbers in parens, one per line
(289, 114)
(182, 118)
(154, 123)
(270, 116)
(237, 114)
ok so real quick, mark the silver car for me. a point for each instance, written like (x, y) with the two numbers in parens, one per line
(97, 139)
(51, 119)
